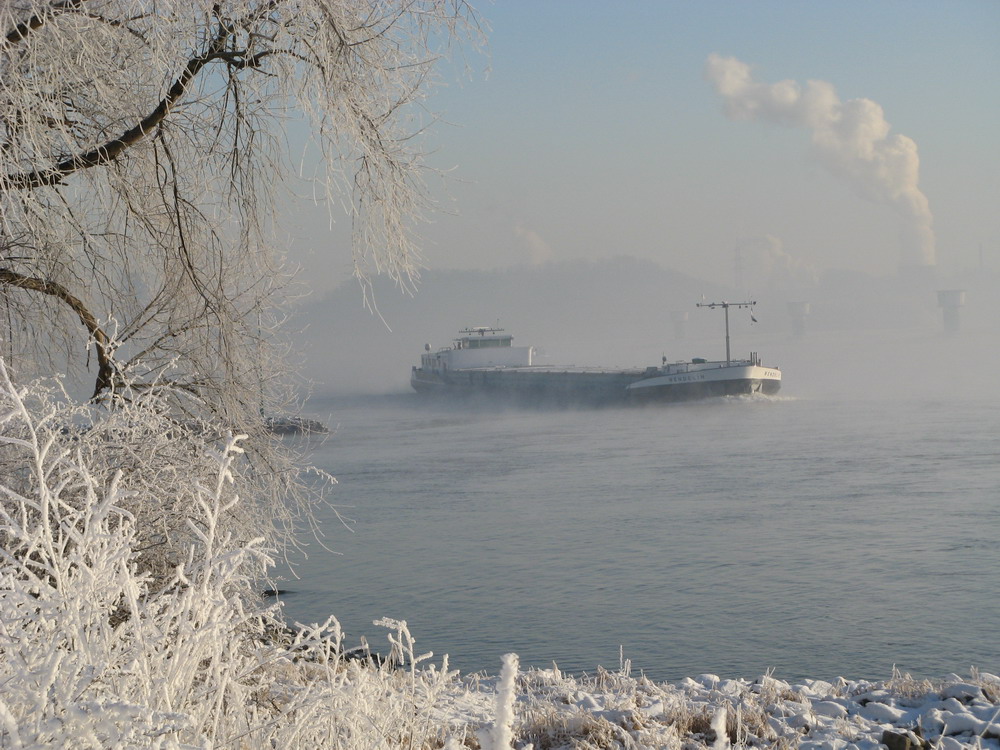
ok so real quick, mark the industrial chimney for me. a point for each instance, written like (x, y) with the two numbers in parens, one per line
(950, 300)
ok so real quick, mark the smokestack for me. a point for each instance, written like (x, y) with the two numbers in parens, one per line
(799, 311)
(950, 300)
(851, 138)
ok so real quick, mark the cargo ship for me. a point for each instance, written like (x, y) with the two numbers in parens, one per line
(483, 361)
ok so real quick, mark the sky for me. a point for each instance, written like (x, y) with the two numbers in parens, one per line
(591, 130)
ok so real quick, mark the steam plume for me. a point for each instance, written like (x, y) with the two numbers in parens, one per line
(852, 139)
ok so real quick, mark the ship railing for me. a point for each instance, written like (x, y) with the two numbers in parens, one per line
(685, 367)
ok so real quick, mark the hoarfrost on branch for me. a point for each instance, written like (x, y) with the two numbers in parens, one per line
(144, 152)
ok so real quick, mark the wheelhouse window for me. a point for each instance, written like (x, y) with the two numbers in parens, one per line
(484, 343)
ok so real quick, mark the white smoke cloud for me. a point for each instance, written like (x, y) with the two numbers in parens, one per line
(852, 139)
(539, 250)
(780, 269)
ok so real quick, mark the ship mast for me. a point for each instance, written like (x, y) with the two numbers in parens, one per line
(725, 306)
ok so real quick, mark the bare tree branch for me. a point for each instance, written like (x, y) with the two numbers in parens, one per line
(21, 30)
(105, 366)
(110, 150)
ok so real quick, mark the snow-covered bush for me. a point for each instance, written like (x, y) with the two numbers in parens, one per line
(110, 638)
(105, 641)
(159, 464)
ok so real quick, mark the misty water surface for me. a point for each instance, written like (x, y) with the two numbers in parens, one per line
(815, 537)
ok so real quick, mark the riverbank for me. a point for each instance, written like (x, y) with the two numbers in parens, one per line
(618, 709)
(423, 704)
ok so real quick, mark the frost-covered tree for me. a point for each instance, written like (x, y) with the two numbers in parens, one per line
(144, 159)
(143, 152)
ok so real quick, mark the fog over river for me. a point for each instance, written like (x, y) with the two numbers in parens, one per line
(818, 535)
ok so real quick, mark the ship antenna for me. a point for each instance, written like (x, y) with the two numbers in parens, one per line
(725, 307)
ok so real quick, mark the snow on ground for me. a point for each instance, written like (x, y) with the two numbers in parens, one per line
(617, 710)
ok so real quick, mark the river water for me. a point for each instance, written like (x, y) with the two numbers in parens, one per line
(817, 537)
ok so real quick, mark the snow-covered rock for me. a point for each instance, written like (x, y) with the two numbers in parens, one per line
(829, 709)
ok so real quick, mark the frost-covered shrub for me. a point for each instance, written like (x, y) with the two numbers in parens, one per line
(159, 463)
(106, 645)
(102, 641)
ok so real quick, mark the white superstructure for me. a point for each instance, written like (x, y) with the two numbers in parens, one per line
(478, 346)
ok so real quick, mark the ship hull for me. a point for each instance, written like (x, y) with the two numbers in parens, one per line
(599, 387)
(708, 382)
(528, 385)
